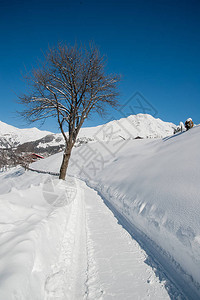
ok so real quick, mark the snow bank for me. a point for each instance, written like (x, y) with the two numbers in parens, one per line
(31, 231)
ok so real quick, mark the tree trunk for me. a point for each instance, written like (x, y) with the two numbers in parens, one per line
(65, 162)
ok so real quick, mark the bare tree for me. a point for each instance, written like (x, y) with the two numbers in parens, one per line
(70, 85)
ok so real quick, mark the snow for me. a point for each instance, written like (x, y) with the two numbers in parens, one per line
(154, 184)
(60, 241)
(31, 235)
(143, 125)
(133, 232)
(189, 119)
(116, 268)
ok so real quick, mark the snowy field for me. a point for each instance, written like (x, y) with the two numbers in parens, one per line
(133, 232)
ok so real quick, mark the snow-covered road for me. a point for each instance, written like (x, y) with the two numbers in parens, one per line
(99, 259)
(116, 263)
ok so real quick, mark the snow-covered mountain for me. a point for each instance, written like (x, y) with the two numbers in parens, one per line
(140, 125)
(134, 126)
(25, 141)
(11, 136)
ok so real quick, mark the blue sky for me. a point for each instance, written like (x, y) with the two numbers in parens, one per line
(154, 45)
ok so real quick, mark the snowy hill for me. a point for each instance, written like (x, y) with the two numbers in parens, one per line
(12, 136)
(154, 186)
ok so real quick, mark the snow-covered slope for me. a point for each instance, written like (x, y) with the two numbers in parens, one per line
(12, 136)
(74, 247)
(154, 184)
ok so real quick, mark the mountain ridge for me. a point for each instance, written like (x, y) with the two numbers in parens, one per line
(15, 141)
(15, 136)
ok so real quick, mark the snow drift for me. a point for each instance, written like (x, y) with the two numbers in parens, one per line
(31, 231)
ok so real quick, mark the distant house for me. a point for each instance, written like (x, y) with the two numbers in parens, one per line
(35, 156)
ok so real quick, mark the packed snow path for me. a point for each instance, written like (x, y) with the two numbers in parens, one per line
(99, 259)
(116, 263)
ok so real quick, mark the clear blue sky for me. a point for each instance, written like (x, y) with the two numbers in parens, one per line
(154, 45)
